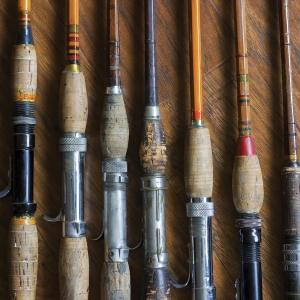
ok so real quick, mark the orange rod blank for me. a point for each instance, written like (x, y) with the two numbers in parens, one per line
(74, 12)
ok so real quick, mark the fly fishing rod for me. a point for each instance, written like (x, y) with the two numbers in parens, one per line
(114, 136)
(23, 236)
(198, 172)
(247, 183)
(290, 172)
(73, 105)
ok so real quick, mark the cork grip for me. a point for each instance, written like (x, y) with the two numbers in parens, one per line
(23, 259)
(247, 184)
(153, 150)
(74, 269)
(198, 166)
(115, 281)
(73, 102)
(156, 284)
(24, 73)
(291, 195)
(114, 130)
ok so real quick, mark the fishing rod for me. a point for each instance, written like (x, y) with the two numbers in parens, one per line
(114, 136)
(291, 169)
(247, 183)
(73, 107)
(23, 236)
(198, 173)
(153, 160)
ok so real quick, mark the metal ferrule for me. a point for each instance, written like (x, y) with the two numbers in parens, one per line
(291, 260)
(200, 211)
(115, 90)
(153, 188)
(115, 214)
(152, 113)
(73, 146)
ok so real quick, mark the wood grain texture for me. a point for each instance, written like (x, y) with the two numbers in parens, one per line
(24, 73)
(114, 131)
(198, 163)
(247, 184)
(74, 269)
(49, 22)
(73, 102)
(23, 259)
(115, 281)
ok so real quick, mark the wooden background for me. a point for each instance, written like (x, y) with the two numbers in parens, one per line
(49, 28)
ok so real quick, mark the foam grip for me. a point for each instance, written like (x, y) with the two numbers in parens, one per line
(156, 284)
(115, 281)
(198, 165)
(114, 130)
(73, 102)
(74, 269)
(23, 259)
(247, 184)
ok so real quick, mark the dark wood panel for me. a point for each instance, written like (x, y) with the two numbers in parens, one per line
(49, 27)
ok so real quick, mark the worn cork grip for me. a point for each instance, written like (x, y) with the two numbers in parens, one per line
(114, 130)
(247, 184)
(73, 102)
(291, 196)
(153, 150)
(198, 165)
(24, 73)
(156, 284)
(23, 259)
(115, 281)
(74, 269)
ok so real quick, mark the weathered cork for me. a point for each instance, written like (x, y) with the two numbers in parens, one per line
(198, 165)
(24, 73)
(247, 184)
(23, 259)
(153, 150)
(115, 281)
(74, 269)
(73, 102)
(114, 130)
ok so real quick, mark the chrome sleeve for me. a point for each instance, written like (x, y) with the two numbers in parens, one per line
(115, 213)
(153, 189)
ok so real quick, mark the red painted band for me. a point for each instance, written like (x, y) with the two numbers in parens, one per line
(197, 115)
(73, 39)
(73, 57)
(245, 146)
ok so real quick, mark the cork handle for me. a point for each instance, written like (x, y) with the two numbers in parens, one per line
(156, 284)
(115, 281)
(24, 73)
(247, 184)
(153, 150)
(74, 269)
(23, 259)
(291, 196)
(73, 101)
(198, 166)
(114, 130)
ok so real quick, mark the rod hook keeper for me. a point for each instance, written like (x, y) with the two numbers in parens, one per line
(7, 190)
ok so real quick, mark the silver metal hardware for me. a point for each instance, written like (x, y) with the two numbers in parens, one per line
(237, 285)
(152, 112)
(7, 190)
(73, 146)
(116, 90)
(153, 188)
(291, 253)
(58, 218)
(200, 211)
